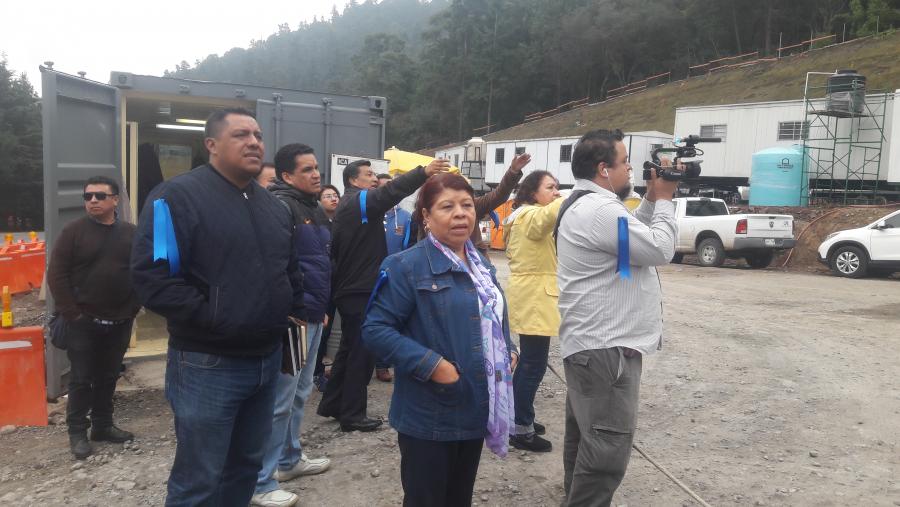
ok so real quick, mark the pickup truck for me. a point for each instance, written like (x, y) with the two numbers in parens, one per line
(705, 227)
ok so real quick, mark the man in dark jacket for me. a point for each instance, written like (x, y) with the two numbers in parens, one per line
(298, 184)
(91, 284)
(214, 254)
(358, 246)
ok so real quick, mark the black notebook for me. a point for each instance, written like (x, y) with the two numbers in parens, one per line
(293, 350)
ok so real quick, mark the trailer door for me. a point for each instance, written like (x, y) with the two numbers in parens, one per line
(82, 138)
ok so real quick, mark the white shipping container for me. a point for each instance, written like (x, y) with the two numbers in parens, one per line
(555, 154)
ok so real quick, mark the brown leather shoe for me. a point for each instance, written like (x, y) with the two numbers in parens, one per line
(384, 375)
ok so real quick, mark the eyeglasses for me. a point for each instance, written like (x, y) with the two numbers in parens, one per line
(101, 196)
(329, 196)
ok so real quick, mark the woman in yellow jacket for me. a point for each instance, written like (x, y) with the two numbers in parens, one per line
(532, 295)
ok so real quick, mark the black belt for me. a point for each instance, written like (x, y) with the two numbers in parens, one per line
(104, 322)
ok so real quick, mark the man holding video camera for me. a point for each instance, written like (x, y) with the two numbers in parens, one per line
(610, 302)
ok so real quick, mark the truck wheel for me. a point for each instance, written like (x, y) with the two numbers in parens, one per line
(677, 258)
(848, 261)
(710, 253)
(760, 260)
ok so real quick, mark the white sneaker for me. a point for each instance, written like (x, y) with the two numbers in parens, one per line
(305, 466)
(277, 498)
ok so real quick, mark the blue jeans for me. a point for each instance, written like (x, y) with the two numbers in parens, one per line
(533, 352)
(222, 408)
(283, 449)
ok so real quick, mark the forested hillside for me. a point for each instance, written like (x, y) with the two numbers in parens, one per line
(448, 67)
(20, 151)
(654, 109)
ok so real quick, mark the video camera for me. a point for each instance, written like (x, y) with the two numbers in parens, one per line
(688, 150)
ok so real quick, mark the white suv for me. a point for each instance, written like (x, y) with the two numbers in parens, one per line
(873, 249)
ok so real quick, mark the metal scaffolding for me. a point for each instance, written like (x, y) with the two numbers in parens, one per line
(842, 149)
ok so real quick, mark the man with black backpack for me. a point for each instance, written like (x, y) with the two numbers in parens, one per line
(610, 301)
(90, 281)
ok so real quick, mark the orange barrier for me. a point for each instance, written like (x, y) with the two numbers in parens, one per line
(22, 265)
(24, 399)
(503, 211)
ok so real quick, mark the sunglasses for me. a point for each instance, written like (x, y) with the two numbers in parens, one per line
(101, 196)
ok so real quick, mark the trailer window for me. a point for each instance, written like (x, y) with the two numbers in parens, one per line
(714, 131)
(520, 150)
(456, 160)
(499, 155)
(706, 208)
(793, 130)
(565, 153)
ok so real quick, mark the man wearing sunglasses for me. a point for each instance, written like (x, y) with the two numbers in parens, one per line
(90, 281)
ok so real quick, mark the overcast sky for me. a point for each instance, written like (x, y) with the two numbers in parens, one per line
(99, 36)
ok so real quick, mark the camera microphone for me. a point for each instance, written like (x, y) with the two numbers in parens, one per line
(694, 139)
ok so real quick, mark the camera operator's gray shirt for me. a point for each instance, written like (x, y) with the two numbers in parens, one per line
(599, 309)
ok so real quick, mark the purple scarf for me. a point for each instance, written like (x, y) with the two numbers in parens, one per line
(501, 413)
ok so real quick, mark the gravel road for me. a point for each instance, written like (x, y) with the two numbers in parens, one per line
(773, 388)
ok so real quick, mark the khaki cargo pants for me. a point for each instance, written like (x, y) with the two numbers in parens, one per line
(601, 415)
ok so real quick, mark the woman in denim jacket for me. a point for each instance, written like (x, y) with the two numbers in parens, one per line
(438, 315)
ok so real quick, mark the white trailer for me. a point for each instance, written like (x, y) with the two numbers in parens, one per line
(454, 153)
(748, 128)
(555, 154)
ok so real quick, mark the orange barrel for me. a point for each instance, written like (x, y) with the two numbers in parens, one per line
(33, 262)
(12, 270)
(23, 401)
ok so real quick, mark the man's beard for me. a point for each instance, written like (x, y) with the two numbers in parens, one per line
(624, 192)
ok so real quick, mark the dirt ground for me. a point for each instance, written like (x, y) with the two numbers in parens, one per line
(772, 388)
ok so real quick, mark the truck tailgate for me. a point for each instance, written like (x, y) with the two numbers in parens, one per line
(770, 226)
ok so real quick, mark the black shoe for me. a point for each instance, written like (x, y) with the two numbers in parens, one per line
(78, 443)
(364, 424)
(111, 434)
(531, 443)
(539, 429)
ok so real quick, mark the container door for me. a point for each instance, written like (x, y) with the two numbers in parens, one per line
(82, 138)
(326, 128)
(286, 122)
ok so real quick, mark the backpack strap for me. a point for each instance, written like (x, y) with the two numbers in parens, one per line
(495, 218)
(362, 206)
(574, 196)
(382, 279)
(406, 228)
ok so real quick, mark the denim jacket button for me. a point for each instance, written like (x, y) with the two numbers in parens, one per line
(434, 286)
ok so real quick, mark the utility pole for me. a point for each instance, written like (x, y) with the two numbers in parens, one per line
(462, 83)
(491, 85)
